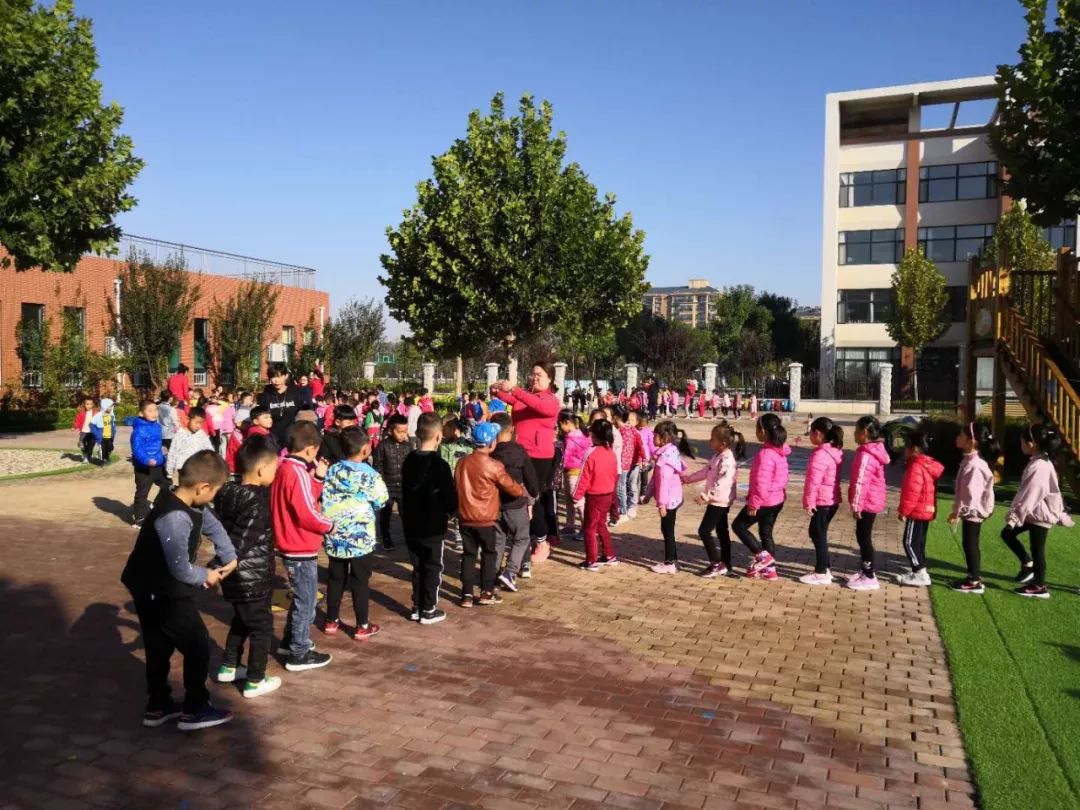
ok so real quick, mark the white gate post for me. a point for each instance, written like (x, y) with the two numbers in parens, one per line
(794, 385)
(885, 392)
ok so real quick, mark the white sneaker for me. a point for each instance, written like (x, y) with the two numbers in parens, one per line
(861, 582)
(665, 568)
(254, 689)
(631, 513)
(231, 674)
(916, 579)
(814, 578)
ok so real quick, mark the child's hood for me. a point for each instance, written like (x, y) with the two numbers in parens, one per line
(932, 466)
(835, 453)
(784, 449)
(106, 404)
(878, 451)
(669, 455)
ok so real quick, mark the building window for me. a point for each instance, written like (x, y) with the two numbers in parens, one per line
(871, 247)
(872, 188)
(174, 358)
(956, 308)
(958, 181)
(954, 243)
(31, 345)
(862, 364)
(863, 306)
(75, 320)
(202, 350)
(1062, 235)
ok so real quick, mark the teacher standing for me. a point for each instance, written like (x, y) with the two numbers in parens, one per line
(535, 413)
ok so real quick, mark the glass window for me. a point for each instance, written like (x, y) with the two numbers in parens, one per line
(288, 335)
(956, 308)
(854, 364)
(202, 345)
(863, 306)
(958, 181)
(871, 247)
(76, 316)
(882, 187)
(954, 243)
(1062, 235)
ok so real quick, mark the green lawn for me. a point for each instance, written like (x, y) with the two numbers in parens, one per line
(1015, 666)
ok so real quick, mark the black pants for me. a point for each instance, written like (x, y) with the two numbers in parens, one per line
(106, 450)
(169, 625)
(252, 622)
(819, 536)
(426, 556)
(86, 444)
(166, 443)
(667, 528)
(355, 573)
(715, 520)
(145, 478)
(969, 532)
(477, 540)
(545, 511)
(1011, 534)
(864, 534)
(384, 520)
(766, 519)
(915, 542)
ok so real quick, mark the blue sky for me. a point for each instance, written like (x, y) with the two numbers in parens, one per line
(297, 131)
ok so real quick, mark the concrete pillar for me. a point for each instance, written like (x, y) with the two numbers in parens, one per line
(885, 392)
(512, 371)
(369, 370)
(795, 384)
(631, 377)
(459, 376)
(429, 377)
(492, 370)
(560, 381)
(710, 378)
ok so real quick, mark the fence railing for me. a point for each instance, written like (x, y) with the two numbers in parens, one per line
(844, 387)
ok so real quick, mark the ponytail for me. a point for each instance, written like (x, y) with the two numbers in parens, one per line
(833, 433)
(667, 431)
(773, 428)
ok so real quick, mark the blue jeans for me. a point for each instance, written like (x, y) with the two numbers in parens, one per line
(304, 582)
(633, 488)
(620, 492)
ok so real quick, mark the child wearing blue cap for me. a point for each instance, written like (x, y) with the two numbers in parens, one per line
(479, 479)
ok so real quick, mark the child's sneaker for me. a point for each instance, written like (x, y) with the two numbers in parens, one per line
(915, 579)
(631, 513)
(331, 627)
(467, 600)
(432, 616)
(230, 674)
(541, 552)
(254, 689)
(769, 574)
(364, 633)
(312, 660)
(489, 598)
(585, 565)
(1027, 573)
(714, 570)
(968, 586)
(153, 718)
(206, 717)
(506, 579)
(1033, 590)
(608, 561)
(814, 578)
(414, 614)
(526, 570)
(762, 561)
(665, 568)
(862, 582)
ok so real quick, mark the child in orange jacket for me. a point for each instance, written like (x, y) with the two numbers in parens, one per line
(918, 505)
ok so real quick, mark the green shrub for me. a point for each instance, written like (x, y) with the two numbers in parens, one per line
(29, 420)
(942, 432)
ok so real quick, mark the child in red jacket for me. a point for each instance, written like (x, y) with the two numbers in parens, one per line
(596, 490)
(918, 504)
(299, 527)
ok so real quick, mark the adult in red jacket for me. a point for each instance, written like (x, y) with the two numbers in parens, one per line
(535, 413)
(177, 385)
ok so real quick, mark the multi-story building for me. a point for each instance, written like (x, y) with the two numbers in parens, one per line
(694, 304)
(906, 166)
(84, 295)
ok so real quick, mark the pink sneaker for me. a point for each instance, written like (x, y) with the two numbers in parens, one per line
(665, 568)
(769, 574)
(541, 552)
(861, 582)
(762, 561)
(814, 578)
(330, 628)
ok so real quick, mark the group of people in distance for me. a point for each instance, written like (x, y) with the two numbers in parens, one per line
(487, 481)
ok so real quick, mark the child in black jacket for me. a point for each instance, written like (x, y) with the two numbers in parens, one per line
(244, 511)
(388, 461)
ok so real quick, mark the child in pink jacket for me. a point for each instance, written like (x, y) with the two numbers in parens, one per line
(866, 496)
(821, 493)
(575, 445)
(720, 476)
(973, 500)
(666, 485)
(1037, 507)
(768, 489)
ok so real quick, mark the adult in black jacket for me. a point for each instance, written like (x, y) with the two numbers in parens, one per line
(244, 511)
(284, 401)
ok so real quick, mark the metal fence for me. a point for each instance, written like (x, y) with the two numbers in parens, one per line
(844, 387)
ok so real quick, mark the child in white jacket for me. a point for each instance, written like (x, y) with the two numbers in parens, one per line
(720, 476)
(188, 441)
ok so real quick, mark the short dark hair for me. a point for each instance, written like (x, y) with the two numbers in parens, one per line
(255, 450)
(144, 404)
(257, 411)
(205, 467)
(353, 440)
(395, 420)
(301, 436)
(431, 418)
(503, 420)
(603, 431)
(277, 369)
(426, 430)
(197, 412)
(181, 368)
(344, 413)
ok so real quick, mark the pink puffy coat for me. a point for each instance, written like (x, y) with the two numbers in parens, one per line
(866, 492)
(822, 484)
(666, 483)
(720, 476)
(575, 445)
(768, 477)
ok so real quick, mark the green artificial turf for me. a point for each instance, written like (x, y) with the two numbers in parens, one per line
(1015, 666)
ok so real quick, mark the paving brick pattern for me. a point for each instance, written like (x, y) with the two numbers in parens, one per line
(617, 689)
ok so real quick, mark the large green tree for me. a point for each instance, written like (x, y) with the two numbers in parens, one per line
(352, 337)
(788, 339)
(64, 169)
(741, 321)
(671, 350)
(507, 239)
(917, 315)
(238, 330)
(1037, 135)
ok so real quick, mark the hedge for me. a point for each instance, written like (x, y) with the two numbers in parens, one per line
(942, 432)
(37, 419)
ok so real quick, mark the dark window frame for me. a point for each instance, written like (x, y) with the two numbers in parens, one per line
(878, 301)
(847, 240)
(939, 246)
(956, 175)
(1067, 230)
(203, 342)
(848, 355)
(884, 186)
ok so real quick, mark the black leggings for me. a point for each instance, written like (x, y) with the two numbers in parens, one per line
(819, 536)
(766, 517)
(667, 528)
(356, 573)
(864, 534)
(545, 521)
(715, 520)
(915, 542)
(1010, 534)
(970, 534)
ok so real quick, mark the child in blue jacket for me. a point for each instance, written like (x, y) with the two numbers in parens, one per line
(147, 458)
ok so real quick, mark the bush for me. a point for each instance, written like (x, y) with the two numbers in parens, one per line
(942, 432)
(29, 420)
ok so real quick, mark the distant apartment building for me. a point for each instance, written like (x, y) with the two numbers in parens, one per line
(29, 298)
(694, 304)
(906, 166)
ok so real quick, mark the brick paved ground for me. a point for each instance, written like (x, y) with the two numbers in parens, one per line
(616, 689)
